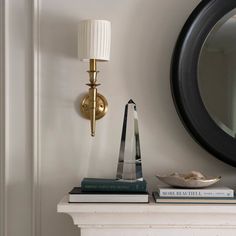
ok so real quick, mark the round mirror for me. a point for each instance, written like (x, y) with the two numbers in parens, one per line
(203, 77)
(217, 73)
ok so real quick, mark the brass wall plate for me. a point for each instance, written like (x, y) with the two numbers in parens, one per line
(101, 107)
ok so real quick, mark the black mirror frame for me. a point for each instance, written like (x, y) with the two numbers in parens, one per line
(184, 80)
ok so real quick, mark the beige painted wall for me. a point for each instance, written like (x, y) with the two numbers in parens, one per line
(143, 37)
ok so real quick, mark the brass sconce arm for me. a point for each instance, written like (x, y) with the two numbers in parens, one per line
(94, 105)
(92, 98)
(93, 93)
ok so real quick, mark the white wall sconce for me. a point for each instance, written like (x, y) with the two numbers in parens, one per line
(94, 41)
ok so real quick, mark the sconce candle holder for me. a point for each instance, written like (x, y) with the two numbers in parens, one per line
(94, 45)
(94, 105)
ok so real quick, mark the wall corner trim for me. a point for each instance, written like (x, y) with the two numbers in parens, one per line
(4, 113)
(4, 118)
(36, 193)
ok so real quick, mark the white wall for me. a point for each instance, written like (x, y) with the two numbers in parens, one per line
(143, 38)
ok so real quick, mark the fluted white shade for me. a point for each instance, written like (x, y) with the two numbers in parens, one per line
(94, 40)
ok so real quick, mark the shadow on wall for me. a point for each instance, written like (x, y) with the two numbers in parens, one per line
(147, 65)
(65, 32)
(77, 103)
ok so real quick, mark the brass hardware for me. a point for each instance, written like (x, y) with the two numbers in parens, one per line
(101, 107)
(94, 105)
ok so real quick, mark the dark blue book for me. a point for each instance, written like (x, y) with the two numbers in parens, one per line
(113, 185)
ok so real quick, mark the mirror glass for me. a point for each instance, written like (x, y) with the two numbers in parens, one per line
(217, 73)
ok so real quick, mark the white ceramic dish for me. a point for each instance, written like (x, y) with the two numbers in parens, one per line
(189, 180)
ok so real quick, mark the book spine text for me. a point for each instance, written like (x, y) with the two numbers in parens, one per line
(196, 193)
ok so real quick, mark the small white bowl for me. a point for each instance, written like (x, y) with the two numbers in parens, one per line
(181, 182)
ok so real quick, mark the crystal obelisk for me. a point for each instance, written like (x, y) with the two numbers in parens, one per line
(130, 165)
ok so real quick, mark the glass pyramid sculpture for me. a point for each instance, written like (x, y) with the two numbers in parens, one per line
(129, 164)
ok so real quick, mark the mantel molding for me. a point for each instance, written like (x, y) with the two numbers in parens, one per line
(152, 215)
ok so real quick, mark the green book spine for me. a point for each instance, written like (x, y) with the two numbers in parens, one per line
(110, 185)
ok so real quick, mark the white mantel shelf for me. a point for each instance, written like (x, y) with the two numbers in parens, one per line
(151, 219)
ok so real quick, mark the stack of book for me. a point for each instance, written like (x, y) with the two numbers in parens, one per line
(210, 195)
(109, 190)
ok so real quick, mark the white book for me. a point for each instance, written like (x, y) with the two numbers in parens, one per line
(193, 200)
(209, 192)
(76, 195)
